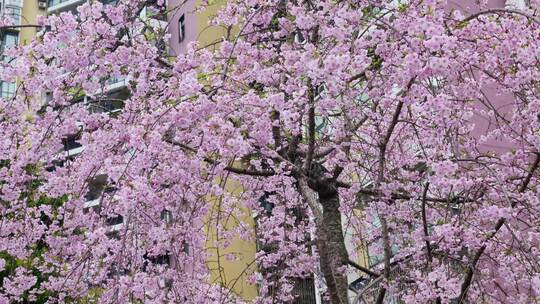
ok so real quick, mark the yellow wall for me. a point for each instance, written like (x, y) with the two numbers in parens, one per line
(232, 274)
(229, 274)
(30, 11)
(361, 250)
(206, 34)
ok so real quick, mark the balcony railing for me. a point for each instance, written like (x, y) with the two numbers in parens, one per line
(370, 292)
(63, 5)
(154, 17)
(13, 12)
(304, 290)
(114, 84)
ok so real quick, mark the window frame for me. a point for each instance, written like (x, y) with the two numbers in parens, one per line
(182, 28)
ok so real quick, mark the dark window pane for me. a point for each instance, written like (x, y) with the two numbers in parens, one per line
(181, 28)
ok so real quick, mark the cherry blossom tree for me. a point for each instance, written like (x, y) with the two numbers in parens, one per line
(360, 115)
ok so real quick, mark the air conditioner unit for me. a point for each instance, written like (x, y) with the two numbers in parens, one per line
(42, 4)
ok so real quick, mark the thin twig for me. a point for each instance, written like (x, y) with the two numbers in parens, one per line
(472, 266)
(501, 10)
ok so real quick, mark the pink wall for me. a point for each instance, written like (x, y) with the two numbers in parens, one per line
(483, 123)
(501, 102)
(471, 6)
(177, 8)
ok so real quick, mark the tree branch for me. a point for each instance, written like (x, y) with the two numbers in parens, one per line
(229, 168)
(293, 147)
(472, 266)
(501, 10)
(380, 296)
(311, 129)
(401, 196)
(380, 178)
(426, 234)
(316, 155)
(276, 130)
(357, 76)
(6, 27)
(424, 223)
(364, 269)
(246, 171)
(309, 197)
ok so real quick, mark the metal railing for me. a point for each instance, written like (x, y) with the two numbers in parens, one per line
(304, 290)
(14, 12)
(370, 292)
(52, 3)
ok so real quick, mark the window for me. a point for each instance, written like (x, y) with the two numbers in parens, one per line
(516, 4)
(7, 89)
(115, 219)
(104, 106)
(70, 142)
(265, 203)
(359, 284)
(158, 13)
(181, 28)
(14, 12)
(299, 38)
(304, 290)
(166, 216)
(116, 270)
(9, 39)
(112, 101)
(111, 2)
(375, 247)
(162, 259)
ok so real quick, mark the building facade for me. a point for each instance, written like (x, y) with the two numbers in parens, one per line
(185, 24)
(366, 288)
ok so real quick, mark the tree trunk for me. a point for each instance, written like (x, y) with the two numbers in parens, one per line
(331, 245)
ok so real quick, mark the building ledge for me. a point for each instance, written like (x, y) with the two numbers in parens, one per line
(63, 5)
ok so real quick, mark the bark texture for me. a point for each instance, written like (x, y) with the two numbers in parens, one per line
(332, 251)
(330, 240)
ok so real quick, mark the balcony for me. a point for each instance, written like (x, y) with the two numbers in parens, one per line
(106, 105)
(73, 152)
(116, 222)
(97, 191)
(107, 99)
(71, 148)
(367, 290)
(56, 6)
(92, 203)
(108, 85)
(13, 10)
(154, 17)
(114, 84)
